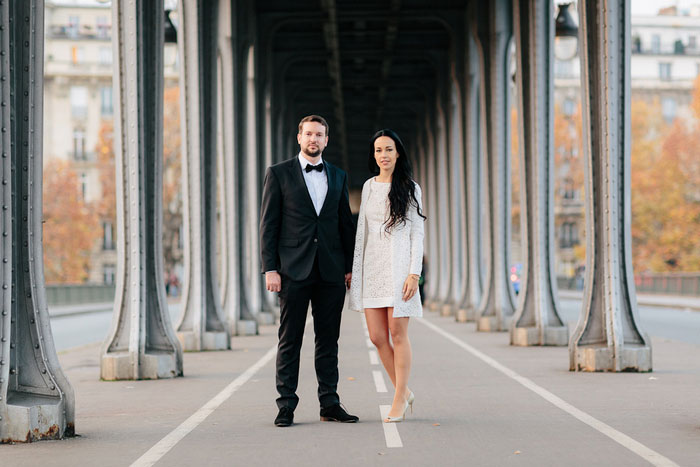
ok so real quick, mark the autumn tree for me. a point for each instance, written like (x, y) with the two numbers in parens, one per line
(172, 175)
(665, 184)
(172, 198)
(70, 225)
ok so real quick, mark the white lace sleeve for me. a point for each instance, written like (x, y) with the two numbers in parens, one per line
(416, 235)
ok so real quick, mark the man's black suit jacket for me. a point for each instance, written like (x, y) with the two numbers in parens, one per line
(291, 234)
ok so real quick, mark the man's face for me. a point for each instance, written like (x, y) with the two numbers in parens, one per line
(312, 139)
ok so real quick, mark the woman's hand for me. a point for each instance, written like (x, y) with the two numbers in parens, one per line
(410, 287)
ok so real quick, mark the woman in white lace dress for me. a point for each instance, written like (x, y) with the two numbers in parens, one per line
(388, 259)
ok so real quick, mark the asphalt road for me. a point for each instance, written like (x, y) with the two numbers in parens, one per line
(669, 323)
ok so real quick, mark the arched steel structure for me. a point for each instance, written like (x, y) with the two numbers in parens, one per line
(435, 72)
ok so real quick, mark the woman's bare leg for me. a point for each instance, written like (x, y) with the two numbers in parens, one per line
(378, 327)
(398, 327)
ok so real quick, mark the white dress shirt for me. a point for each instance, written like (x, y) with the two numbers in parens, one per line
(316, 183)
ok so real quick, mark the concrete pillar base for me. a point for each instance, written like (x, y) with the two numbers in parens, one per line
(493, 324)
(435, 306)
(446, 310)
(32, 417)
(190, 341)
(266, 317)
(632, 358)
(462, 315)
(153, 365)
(246, 327)
(529, 336)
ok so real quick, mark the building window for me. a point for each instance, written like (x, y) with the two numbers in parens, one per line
(73, 25)
(79, 153)
(83, 185)
(78, 101)
(77, 55)
(569, 235)
(569, 107)
(102, 27)
(656, 43)
(668, 109)
(106, 101)
(107, 236)
(105, 55)
(108, 273)
(665, 71)
(568, 190)
(692, 42)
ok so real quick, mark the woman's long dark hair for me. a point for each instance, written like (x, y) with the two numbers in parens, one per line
(403, 191)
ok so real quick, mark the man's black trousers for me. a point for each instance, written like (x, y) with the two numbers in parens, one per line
(327, 300)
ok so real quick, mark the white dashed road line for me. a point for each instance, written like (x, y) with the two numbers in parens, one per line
(391, 432)
(379, 381)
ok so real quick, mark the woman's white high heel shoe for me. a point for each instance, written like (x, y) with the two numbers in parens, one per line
(410, 400)
(400, 418)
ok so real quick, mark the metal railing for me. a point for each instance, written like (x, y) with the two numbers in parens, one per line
(668, 283)
(75, 294)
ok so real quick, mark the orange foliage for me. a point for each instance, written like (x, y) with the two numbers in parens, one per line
(665, 184)
(70, 225)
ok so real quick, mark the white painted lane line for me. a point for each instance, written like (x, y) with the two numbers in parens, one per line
(379, 381)
(636, 447)
(161, 448)
(373, 357)
(369, 344)
(391, 432)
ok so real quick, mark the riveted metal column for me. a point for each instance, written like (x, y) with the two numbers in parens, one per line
(254, 289)
(608, 336)
(536, 320)
(36, 400)
(458, 213)
(495, 28)
(442, 211)
(475, 155)
(141, 343)
(202, 325)
(430, 194)
(230, 282)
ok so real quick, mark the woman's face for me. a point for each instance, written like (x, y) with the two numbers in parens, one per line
(385, 153)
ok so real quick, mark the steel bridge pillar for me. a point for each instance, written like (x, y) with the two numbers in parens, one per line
(202, 325)
(36, 400)
(536, 320)
(475, 157)
(141, 343)
(608, 336)
(495, 30)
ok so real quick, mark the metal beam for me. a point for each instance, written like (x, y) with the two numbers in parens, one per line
(608, 336)
(141, 343)
(36, 400)
(494, 31)
(330, 36)
(392, 30)
(536, 320)
(475, 163)
(202, 325)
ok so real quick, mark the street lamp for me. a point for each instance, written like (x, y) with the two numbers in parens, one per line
(169, 31)
(565, 35)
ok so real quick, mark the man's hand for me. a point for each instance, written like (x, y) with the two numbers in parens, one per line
(348, 280)
(273, 281)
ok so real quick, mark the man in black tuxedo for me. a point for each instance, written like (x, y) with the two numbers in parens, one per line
(307, 244)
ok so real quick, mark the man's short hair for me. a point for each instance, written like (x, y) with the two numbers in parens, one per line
(314, 118)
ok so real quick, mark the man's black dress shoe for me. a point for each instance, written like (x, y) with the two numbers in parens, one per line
(335, 413)
(285, 417)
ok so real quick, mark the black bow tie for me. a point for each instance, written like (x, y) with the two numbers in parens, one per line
(310, 167)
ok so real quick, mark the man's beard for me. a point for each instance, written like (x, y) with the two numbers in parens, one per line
(312, 152)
